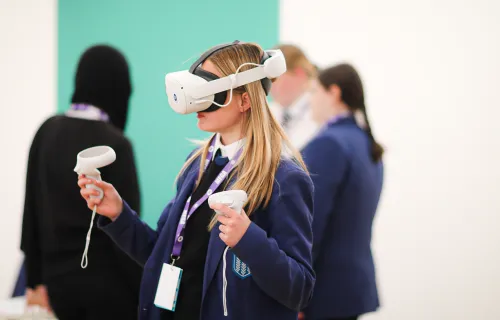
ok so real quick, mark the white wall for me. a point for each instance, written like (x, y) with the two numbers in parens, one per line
(432, 74)
(28, 38)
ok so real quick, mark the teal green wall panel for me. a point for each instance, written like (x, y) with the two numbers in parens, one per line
(157, 37)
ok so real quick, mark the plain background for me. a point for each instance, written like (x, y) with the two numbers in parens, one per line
(28, 60)
(431, 72)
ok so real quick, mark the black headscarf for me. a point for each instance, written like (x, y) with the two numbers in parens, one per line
(103, 80)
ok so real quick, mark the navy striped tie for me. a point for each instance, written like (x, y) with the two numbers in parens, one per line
(219, 159)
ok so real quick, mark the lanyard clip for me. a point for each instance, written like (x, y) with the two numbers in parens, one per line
(173, 259)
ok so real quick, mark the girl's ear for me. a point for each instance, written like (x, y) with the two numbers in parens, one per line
(336, 92)
(244, 102)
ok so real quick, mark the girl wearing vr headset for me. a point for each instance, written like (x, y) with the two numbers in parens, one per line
(253, 265)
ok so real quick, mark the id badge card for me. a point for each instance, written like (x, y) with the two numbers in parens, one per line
(168, 287)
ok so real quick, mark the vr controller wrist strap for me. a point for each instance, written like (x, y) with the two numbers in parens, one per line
(85, 259)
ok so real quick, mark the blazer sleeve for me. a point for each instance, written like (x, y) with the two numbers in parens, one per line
(30, 235)
(133, 235)
(280, 258)
(327, 163)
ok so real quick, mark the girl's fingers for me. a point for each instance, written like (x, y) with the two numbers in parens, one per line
(93, 202)
(224, 220)
(82, 182)
(103, 185)
(87, 192)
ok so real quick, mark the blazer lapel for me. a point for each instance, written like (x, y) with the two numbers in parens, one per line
(215, 249)
(185, 191)
(176, 211)
(182, 197)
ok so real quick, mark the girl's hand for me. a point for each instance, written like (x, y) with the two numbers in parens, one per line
(111, 204)
(233, 225)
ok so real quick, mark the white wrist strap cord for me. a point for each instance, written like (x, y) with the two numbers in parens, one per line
(85, 259)
(224, 281)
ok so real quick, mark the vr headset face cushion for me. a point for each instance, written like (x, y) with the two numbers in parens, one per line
(220, 97)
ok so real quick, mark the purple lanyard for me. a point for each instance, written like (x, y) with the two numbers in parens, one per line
(187, 212)
(88, 112)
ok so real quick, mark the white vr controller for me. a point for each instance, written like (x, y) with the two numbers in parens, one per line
(89, 160)
(87, 163)
(234, 199)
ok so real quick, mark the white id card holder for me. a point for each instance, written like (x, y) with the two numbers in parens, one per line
(168, 287)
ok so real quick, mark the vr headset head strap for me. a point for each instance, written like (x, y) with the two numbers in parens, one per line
(210, 52)
(196, 69)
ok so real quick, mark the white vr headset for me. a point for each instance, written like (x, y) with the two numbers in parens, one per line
(196, 90)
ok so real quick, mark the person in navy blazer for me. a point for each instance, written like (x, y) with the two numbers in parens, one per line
(265, 254)
(344, 161)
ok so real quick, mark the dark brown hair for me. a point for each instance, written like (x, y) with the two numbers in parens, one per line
(348, 80)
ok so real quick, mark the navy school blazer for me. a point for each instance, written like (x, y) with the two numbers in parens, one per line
(269, 272)
(347, 188)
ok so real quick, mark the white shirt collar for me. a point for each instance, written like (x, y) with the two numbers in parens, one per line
(229, 150)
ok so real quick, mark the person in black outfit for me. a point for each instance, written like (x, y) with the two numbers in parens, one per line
(56, 220)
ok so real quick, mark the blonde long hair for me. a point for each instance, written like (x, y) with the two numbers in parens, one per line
(265, 139)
